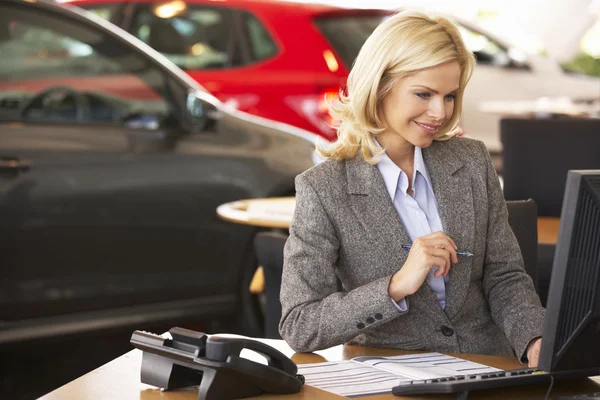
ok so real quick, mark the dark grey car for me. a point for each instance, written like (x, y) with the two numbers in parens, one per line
(112, 164)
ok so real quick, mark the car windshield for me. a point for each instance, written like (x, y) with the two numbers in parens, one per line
(347, 34)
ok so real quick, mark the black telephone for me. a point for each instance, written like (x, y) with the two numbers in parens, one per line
(214, 362)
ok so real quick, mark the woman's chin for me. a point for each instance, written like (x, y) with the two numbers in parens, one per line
(423, 142)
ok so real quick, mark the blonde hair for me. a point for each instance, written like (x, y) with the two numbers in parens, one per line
(400, 46)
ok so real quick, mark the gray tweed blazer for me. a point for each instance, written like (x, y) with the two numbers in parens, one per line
(345, 226)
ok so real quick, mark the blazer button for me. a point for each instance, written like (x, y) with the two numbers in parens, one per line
(447, 331)
(378, 316)
(360, 325)
(370, 320)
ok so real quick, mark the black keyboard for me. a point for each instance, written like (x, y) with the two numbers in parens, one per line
(585, 396)
(465, 383)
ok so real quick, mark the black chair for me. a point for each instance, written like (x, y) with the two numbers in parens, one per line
(269, 253)
(522, 218)
(537, 153)
(545, 262)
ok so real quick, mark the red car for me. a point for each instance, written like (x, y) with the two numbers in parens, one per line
(272, 58)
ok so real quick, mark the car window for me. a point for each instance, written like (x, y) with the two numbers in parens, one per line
(347, 34)
(106, 11)
(486, 50)
(55, 69)
(193, 37)
(260, 42)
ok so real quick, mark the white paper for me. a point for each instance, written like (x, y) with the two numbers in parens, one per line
(425, 366)
(348, 378)
(378, 375)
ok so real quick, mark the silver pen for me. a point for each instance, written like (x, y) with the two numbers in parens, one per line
(458, 252)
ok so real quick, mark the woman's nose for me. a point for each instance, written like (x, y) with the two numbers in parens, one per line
(437, 110)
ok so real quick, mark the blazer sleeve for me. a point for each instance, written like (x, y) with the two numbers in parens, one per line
(314, 314)
(514, 304)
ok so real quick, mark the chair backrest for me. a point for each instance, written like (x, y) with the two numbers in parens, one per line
(522, 217)
(537, 153)
(269, 253)
(545, 262)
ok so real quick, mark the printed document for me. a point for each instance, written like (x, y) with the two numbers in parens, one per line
(363, 376)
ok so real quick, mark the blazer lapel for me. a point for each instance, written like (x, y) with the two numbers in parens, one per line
(375, 210)
(373, 207)
(452, 187)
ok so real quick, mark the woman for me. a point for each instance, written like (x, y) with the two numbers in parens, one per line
(395, 209)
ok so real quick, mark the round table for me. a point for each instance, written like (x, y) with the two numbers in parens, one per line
(275, 212)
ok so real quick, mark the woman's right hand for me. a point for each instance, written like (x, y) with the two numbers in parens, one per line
(433, 250)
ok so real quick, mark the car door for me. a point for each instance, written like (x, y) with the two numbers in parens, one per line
(98, 211)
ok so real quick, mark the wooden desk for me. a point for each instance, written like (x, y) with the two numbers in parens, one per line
(277, 213)
(548, 229)
(120, 379)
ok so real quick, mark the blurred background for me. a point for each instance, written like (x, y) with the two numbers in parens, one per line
(124, 124)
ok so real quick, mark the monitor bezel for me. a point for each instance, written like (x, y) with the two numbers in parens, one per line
(548, 359)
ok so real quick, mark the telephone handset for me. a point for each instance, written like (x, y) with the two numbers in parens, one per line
(214, 362)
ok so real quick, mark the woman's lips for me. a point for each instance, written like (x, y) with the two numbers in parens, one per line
(428, 128)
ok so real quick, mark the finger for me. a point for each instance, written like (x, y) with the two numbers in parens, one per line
(533, 363)
(454, 256)
(438, 262)
(442, 264)
(442, 253)
(533, 359)
(453, 244)
(451, 251)
(447, 271)
(440, 234)
(439, 241)
(451, 247)
(437, 271)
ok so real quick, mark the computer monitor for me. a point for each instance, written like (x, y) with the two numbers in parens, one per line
(571, 336)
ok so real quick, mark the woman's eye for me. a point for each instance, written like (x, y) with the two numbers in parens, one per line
(451, 97)
(423, 95)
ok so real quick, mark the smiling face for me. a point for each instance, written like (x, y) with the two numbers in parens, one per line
(418, 105)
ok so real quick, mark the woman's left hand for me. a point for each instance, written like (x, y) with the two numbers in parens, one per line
(533, 352)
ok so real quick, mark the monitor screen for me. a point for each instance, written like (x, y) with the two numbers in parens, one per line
(571, 337)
